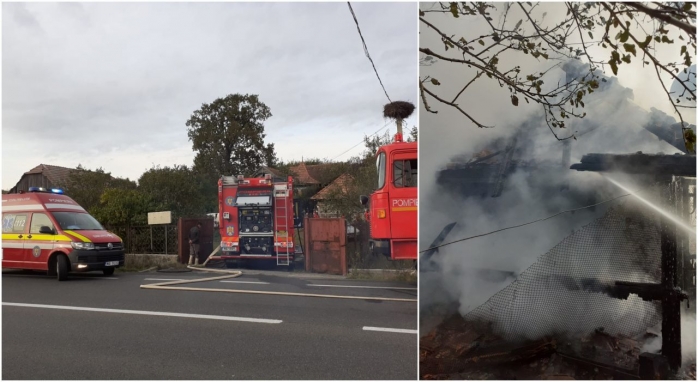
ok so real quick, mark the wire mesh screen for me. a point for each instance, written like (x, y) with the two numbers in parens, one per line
(155, 239)
(570, 289)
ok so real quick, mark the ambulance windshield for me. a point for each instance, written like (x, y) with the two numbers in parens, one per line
(77, 221)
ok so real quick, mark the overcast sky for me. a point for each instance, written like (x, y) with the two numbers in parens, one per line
(112, 85)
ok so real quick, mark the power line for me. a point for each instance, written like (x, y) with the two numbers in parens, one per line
(352, 147)
(366, 50)
(521, 225)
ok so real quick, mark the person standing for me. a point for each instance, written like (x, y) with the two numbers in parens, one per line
(194, 234)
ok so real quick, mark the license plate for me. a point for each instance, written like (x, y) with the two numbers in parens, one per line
(110, 263)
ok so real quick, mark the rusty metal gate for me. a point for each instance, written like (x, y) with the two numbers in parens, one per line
(205, 238)
(325, 249)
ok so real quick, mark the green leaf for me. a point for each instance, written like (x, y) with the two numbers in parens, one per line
(626, 58)
(687, 6)
(518, 24)
(614, 66)
(624, 36)
(514, 100)
(647, 41)
(591, 35)
(435, 82)
(481, 42)
(454, 10)
(683, 49)
(630, 48)
(666, 40)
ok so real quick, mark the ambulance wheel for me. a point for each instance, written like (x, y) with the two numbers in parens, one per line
(62, 267)
(108, 271)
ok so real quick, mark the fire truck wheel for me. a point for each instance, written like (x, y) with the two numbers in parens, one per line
(230, 264)
(291, 266)
(62, 267)
(108, 271)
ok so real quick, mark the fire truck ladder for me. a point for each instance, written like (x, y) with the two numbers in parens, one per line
(283, 256)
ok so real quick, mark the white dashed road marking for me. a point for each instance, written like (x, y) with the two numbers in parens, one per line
(359, 286)
(146, 313)
(392, 330)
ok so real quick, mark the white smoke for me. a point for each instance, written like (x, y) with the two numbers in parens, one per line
(614, 124)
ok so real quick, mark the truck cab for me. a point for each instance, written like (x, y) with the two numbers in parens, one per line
(392, 208)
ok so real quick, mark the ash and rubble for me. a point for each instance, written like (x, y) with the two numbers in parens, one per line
(546, 312)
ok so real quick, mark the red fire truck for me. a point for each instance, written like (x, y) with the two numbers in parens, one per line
(255, 219)
(392, 210)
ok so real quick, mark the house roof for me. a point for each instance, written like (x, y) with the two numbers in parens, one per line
(340, 184)
(55, 174)
(269, 170)
(303, 174)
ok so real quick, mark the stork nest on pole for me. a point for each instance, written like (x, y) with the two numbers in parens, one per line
(398, 110)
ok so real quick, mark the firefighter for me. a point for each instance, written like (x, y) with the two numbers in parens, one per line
(194, 233)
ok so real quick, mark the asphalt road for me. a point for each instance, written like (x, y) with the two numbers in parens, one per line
(95, 327)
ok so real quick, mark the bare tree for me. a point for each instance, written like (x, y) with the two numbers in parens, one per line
(625, 31)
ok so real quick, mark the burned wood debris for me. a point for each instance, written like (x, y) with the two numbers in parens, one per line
(460, 349)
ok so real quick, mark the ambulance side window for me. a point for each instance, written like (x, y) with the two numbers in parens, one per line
(38, 221)
(14, 223)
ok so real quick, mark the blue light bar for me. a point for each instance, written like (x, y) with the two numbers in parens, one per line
(41, 189)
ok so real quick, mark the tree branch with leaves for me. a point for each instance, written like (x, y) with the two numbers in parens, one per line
(625, 31)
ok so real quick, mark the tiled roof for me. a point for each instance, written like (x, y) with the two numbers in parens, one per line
(340, 184)
(303, 174)
(269, 170)
(57, 175)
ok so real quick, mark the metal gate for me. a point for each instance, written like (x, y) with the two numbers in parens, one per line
(205, 238)
(325, 248)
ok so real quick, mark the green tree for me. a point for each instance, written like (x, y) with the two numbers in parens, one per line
(228, 136)
(175, 189)
(413, 135)
(122, 207)
(86, 186)
(621, 32)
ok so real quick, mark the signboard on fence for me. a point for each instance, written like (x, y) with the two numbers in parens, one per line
(163, 217)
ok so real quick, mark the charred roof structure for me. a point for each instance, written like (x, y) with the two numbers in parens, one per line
(586, 308)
